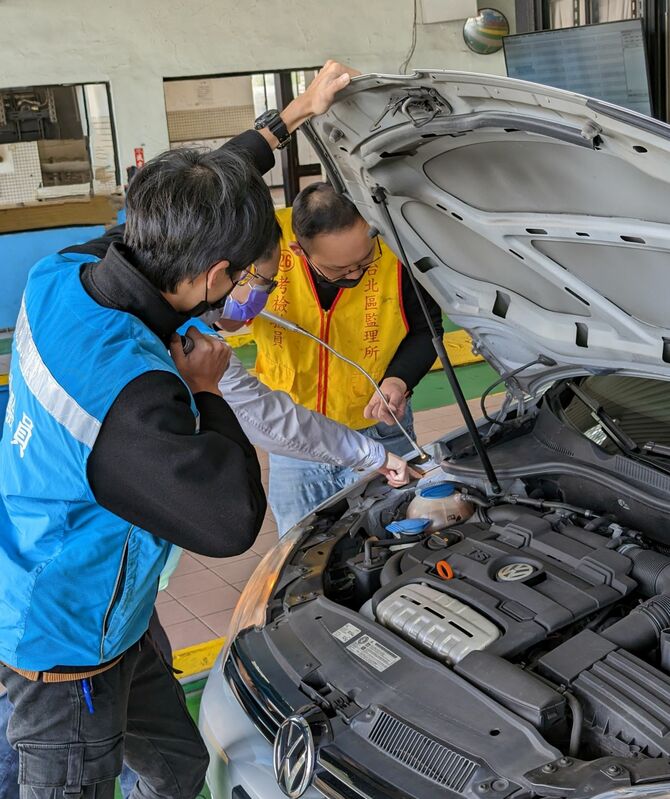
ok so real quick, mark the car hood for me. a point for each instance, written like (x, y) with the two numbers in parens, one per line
(537, 218)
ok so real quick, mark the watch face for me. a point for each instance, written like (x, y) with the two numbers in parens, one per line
(275, 124)
(265, 118)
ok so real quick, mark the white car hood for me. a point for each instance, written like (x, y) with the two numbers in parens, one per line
(537, 218)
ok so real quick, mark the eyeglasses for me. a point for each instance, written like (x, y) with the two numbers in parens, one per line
(363, 267)
(265, 284)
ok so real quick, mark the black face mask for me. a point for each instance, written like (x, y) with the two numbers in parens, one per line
(342, 283)
(204, 306)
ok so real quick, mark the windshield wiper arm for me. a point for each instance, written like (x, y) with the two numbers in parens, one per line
(613, 430)
(660, 450)
(609, 426)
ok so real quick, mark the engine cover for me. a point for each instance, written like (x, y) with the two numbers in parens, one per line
(436, 623)
(521, 574)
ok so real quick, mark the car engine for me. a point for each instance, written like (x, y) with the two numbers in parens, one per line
(563, 621)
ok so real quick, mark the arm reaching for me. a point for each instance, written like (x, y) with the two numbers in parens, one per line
(272, 421)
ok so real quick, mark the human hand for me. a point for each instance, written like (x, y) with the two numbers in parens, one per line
(316, 99)
(395, 391)
(397, 471)
(204, 366)
(329, 80)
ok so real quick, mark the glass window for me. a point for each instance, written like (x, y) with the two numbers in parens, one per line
(571, 13)
(55, 141)
(639, 406)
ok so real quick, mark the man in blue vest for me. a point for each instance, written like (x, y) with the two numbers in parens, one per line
(117, 447)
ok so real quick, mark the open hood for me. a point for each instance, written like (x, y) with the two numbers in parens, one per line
(537, 218)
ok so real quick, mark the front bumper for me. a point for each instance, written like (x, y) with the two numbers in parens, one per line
(239, 725)
(240, 756)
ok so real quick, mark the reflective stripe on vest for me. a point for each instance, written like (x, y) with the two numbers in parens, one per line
(365, 323)
(53, 398)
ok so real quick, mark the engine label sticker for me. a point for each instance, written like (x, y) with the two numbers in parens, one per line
(373, 653)
(346, 633)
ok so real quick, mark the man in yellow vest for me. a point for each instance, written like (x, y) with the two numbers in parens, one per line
(339, 280)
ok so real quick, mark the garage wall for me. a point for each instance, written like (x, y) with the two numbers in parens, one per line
(134, 45)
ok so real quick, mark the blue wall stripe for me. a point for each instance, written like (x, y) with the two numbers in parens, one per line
(20, 251)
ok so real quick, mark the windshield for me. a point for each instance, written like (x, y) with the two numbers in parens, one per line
(639, 406)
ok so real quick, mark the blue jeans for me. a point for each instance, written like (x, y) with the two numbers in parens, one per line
(9, 757)
(299, 486)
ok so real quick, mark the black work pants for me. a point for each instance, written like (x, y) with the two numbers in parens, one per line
(139, 713)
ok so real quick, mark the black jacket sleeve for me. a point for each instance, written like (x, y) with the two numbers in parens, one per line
(202, 492)
(416, 353)
(251, 144)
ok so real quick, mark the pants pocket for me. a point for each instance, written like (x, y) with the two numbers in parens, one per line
(69, 766)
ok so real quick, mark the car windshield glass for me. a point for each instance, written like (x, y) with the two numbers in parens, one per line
(639, 406)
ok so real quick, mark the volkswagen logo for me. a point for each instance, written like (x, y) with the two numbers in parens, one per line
(294, 756)
(515, 571)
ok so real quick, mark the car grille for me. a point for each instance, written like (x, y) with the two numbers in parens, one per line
(260, 709)
(422, 754)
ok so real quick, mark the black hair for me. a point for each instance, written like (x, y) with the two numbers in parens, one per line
(268, 252)
(320, 209)
(188, 209)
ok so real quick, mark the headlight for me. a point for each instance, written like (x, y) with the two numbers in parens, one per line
(252, 604)
(658, 791)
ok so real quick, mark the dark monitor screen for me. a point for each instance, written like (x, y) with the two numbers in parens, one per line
(606, 61)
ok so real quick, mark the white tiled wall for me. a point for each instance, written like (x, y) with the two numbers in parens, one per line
(19, 182)
(102, 145)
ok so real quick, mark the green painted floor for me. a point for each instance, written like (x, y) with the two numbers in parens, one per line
(193, 693)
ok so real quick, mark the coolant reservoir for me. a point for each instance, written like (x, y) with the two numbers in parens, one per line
(442, 503)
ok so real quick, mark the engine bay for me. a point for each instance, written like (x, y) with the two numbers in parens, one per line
(555, 614)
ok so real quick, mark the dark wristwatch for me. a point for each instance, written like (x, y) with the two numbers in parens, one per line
(275, 124)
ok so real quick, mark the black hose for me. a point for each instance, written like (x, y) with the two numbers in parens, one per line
(480, 502)
(651, 569)
(539, 504)
(374, 542)
(544, 504)
(577, 723)
(641, 629)
(391, 568)
(575, 710)
(598, 619)
(601, 521)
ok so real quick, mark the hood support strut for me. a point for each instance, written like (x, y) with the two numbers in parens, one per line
(379, 196)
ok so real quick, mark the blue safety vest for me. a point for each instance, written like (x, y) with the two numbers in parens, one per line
(77, 583)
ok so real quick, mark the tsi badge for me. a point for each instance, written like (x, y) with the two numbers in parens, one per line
(294, 756)
(513, 572)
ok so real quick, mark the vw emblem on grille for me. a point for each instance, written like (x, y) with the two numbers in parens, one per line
(294, 756)
(515, 571)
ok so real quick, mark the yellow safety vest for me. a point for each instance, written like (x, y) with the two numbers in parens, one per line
(365, 323)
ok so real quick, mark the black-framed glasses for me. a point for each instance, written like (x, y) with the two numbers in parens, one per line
(265, 284)
(362, 267)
